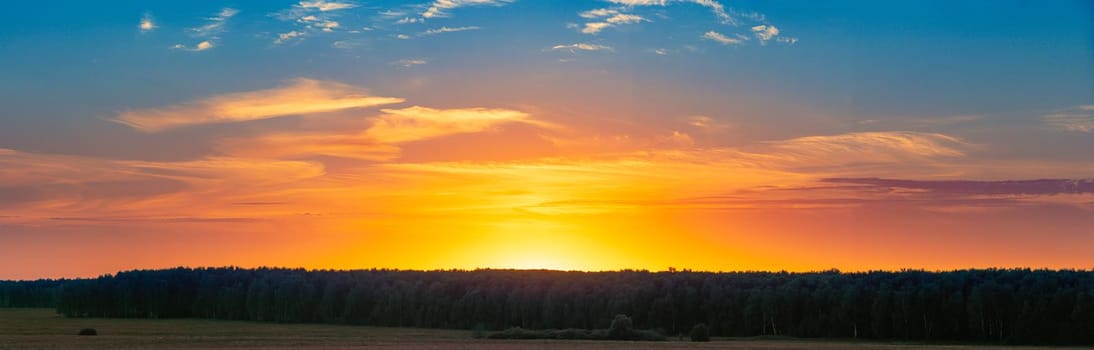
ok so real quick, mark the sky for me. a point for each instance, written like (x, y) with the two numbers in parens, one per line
(576, 135)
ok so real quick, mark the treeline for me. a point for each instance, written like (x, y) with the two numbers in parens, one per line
(40, 293)
(996, 306)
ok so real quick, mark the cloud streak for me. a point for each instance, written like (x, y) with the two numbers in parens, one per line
(721, 38)
(421, 123)
(311, 17)
(443, 30)
(297, 97)
(581, 47)
(440, 8)
(209, 32)
(1078, 119)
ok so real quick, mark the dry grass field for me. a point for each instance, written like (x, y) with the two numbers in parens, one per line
(42, 329)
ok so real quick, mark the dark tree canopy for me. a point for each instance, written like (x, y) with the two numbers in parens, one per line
(995, 306)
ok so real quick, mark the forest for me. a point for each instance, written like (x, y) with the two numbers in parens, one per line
(1011, 306)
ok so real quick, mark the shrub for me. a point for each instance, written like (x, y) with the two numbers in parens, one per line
(700, 333)
(621, 328)
(88, 331)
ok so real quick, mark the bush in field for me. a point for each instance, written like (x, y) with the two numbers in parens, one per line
(700, 333)
(88, 331)
(621, 328)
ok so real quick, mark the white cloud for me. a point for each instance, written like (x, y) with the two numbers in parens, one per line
(597, 13)
(283, 37)
(765, 32)
(146, 24)
(607, 18)
(312, 17)
(595, 27)
(409, 62)
(447, 30)
(325, 6)
(402, 36)
(639, 2)
(328, 26)
(439, 7)
(201, 46)
(721, 38)
(717, 8)
(581, 47)
(407, 20)
(624, 18)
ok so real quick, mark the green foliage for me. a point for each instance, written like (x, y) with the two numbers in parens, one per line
(700, 332)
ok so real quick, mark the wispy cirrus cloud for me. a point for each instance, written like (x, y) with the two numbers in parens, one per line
(303, 145)
(215, 25)
(890, 145)
(381, 140)
(768, 32)
(581, 47)
(419, 123)
(440, 8)
(311, 17)
(324, 6)
(409, 62)
(443, 30)
(715, 7)
(722, 38)
(974, 187)
(607, 18)
(299, 96)
(708, 124)
(64, 186)
(209, 32)
(1078, 119)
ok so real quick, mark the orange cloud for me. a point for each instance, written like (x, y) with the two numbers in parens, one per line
(298, 97)
(420, 123)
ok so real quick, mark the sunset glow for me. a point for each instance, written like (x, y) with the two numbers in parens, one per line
(569, 135)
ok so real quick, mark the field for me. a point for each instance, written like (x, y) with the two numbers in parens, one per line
(42, 328)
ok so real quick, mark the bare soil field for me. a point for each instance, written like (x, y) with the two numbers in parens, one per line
(43, 329)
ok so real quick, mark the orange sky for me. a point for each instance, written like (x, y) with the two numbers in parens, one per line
(340, 197)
